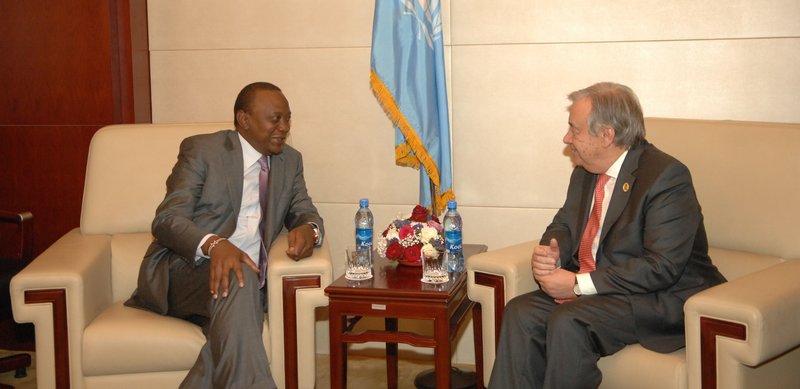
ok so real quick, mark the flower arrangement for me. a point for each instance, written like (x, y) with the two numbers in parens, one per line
(406, 238)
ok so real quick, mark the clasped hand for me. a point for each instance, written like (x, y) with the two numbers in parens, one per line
(552, 279)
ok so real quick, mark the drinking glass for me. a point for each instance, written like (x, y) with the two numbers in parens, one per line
(359, 263)
(434, 268)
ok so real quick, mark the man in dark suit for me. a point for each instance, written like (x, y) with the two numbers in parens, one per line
(619, 279)
(203, 265)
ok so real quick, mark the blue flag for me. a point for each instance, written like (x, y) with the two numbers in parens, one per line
(408, 79)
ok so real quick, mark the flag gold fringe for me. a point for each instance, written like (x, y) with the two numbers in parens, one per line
(403, 155)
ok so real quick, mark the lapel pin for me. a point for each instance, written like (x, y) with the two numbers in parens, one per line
(626, 187)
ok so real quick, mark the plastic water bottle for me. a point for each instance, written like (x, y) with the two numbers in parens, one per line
(364, 221)
(452, 238)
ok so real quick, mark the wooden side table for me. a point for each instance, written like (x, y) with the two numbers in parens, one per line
(396, 292)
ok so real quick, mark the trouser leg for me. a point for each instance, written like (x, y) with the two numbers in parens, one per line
(548, 345)
(233, 355)
(521, 356)
(585, 329)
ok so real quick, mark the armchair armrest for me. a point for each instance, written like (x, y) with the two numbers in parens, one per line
(74, 273)
(750, 321)
(493, 278)
(296, 288)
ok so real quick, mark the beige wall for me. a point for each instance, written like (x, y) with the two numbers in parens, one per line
(510, 65)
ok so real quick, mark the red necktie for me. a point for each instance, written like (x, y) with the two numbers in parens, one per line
(585, 257)
(263, 182)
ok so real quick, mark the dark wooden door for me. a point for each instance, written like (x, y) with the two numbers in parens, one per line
(67, 68)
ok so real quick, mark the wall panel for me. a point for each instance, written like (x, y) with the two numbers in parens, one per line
(520, 141)
(542, 21)
(247, 24)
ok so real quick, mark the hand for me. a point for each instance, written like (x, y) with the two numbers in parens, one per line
(544, 260)
(301, 242)
(227, 258)
(559, 284)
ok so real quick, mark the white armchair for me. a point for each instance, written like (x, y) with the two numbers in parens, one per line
(74, 291)
(742, 334)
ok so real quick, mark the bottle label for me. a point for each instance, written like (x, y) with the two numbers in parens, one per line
(453, 241)
(364, 237)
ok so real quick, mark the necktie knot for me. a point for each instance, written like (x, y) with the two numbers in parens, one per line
(264, 163)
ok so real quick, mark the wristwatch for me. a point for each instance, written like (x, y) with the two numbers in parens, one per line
(316, 232)
(576, 289)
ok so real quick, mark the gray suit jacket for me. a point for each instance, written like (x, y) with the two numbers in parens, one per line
(204, 195)
(653, 247)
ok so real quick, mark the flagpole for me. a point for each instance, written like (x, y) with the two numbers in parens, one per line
(434, 211)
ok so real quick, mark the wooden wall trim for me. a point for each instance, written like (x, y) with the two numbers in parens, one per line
(129, 42)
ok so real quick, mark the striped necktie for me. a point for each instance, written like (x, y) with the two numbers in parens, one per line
(263, 183)
(585, 258)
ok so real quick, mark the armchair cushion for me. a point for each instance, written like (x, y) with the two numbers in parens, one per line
(634, 365)
(150, 342)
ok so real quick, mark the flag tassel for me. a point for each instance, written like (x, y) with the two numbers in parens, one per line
(403, 156)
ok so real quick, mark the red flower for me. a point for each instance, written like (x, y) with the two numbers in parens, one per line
(419, 214)
(405, 232)
(412, 253)
(394, 251)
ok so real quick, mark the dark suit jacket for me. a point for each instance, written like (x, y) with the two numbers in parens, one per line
(204, 195)
(653, 247)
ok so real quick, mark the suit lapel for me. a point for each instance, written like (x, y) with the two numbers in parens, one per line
(232, 162)
(622, 189)
(587, 189)
(277, 181)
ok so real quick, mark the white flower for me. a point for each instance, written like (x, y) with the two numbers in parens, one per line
(429, 251)
(428, 234)
(392, 234)
(381, 247)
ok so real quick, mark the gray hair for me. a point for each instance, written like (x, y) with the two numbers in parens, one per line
(616, 106)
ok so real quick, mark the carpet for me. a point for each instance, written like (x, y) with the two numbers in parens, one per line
(363, 372)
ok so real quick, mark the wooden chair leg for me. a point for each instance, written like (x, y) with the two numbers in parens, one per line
(17, 362)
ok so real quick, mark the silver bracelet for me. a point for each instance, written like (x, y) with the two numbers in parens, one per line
(214, 244)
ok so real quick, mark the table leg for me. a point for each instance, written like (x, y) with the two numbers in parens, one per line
(441, 353)
(391, 355)
(338, 350)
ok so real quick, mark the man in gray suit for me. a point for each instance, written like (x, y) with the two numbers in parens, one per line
(203, 265)
(619, 279)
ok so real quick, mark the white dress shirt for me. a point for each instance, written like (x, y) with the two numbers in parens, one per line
(246, 236)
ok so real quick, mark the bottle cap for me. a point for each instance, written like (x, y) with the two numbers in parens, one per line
(451, 204)
(363, 203)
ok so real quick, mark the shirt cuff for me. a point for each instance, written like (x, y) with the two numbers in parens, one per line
(585, 283)
(199, 256)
